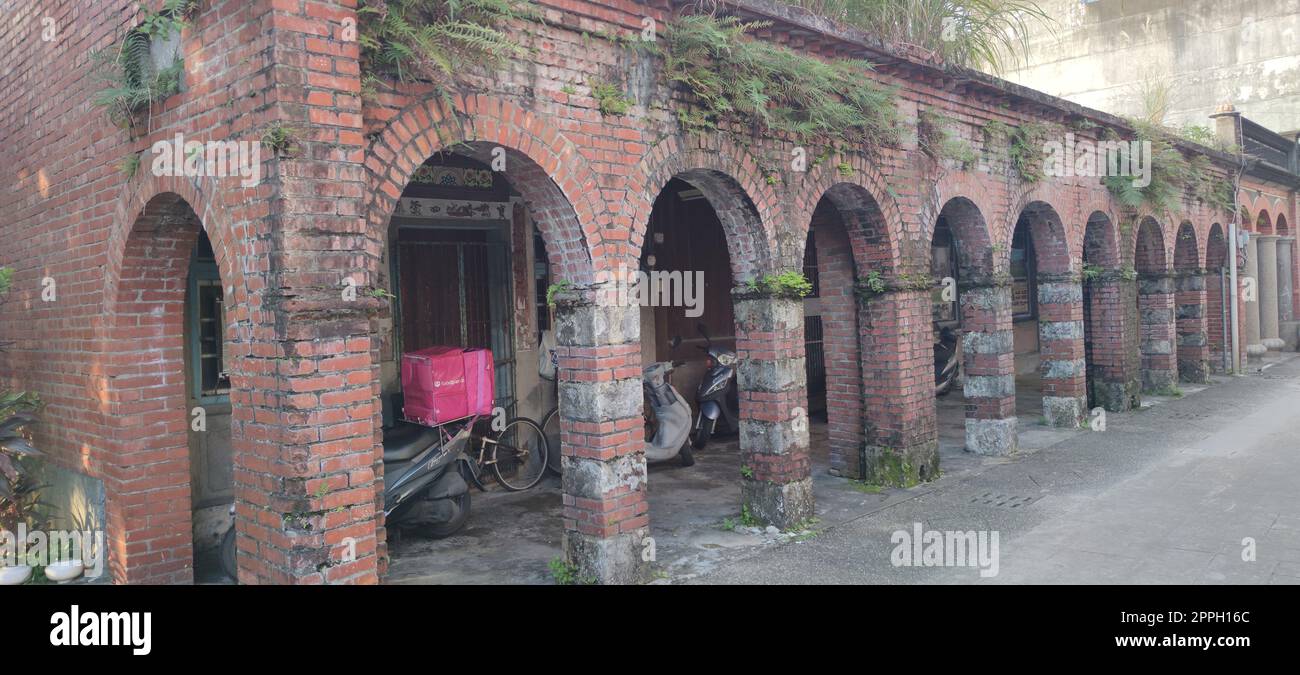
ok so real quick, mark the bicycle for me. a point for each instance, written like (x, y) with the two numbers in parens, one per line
(521, 466)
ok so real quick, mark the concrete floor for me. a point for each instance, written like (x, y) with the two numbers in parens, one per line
(511, 537)
(1168, 494)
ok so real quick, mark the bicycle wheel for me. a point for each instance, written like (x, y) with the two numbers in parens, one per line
(551, 429)
(520, 452)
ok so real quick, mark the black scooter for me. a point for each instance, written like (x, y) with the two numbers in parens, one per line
(424, 479)
(947, 365)
(716, 397)
(424, 486)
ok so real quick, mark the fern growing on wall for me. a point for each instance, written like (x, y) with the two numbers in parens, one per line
(435, 40)
(766, 87)
(131, 79)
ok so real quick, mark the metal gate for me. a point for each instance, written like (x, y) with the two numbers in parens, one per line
(459, 293)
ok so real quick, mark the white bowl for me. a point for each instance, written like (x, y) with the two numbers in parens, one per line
(12, 576)
(64, 570)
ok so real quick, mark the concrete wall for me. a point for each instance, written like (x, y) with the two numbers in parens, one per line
(1246, 52)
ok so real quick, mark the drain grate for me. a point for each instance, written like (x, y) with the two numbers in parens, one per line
(1000, 500)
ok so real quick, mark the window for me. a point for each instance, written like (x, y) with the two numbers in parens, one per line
(206, 335)
(1024, 304)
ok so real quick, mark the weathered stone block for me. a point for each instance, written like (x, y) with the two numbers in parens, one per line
(991, 437)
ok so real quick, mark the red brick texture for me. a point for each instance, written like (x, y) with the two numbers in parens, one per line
(303, 358)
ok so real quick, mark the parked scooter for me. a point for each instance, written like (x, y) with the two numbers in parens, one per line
(424, 486)
(716, 397)
(672, 416)
(947, 364)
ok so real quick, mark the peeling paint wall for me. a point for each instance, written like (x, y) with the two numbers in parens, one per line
(1244, 52)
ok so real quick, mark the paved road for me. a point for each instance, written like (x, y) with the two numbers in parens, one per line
(1165, 495)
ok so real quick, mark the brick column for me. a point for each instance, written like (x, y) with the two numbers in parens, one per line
(901, 444)
(1193, 338)
(1114, 334)
(1156, 318)
(309, 490)
(771, 377)
(1254, 343)
(1268, 296)
(1060, 343)
(606, 515)
(989, 366)
(1287, 325)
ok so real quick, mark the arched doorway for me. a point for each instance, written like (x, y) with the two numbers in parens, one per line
(984, 417)
(1155, 308)
(1047, 319)
(1189, 284)
(170, 485)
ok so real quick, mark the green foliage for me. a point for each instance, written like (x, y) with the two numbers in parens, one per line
(279, 138)
(789, 284)
(964, 32)
(609, 97)
(874, 282)
(764, 87)
(936, 139)
(557, 287)
(19, 492)
(1092, 272)
(747, 472)
(1025, 149)
(1199, 133)
(566, 574)
(435, 40)
(1172, 175)
(747, 517)
(129, 165)
(126, 69)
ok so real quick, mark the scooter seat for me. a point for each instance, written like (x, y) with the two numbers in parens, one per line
(403, 442)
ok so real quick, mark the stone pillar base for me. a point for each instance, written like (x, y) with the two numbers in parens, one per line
(1117, 396)
(1065, 411)
(785, 505)
(1195, 372)
(1255, 353)
(901, 467)
(991, 437)
(607, 560)
(1158, 380)
(1290, 335)
(1273, 344)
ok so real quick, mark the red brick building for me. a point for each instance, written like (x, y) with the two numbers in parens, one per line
(207, 293)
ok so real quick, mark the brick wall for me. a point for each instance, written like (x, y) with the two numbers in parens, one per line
(303, 361)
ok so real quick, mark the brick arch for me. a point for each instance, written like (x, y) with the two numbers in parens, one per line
(975, 256)
(1282, 227)
(142, 203)
(1150, 254)
(1187, 254)
(1100, 244)
(864, 203)
(728, 175)
(1216, 258)
(560, 188)
(1246, 222)
(1046, 200)
(1048, 231)
(146, 466)
(1263, 223)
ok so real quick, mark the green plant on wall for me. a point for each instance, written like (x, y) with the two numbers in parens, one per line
(762, 87)
(131, 79)
(1025, 149)
(1171, 174)
(609, 97)
(935, 138)
(435, 40)
(789, 284)
(555, 288)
